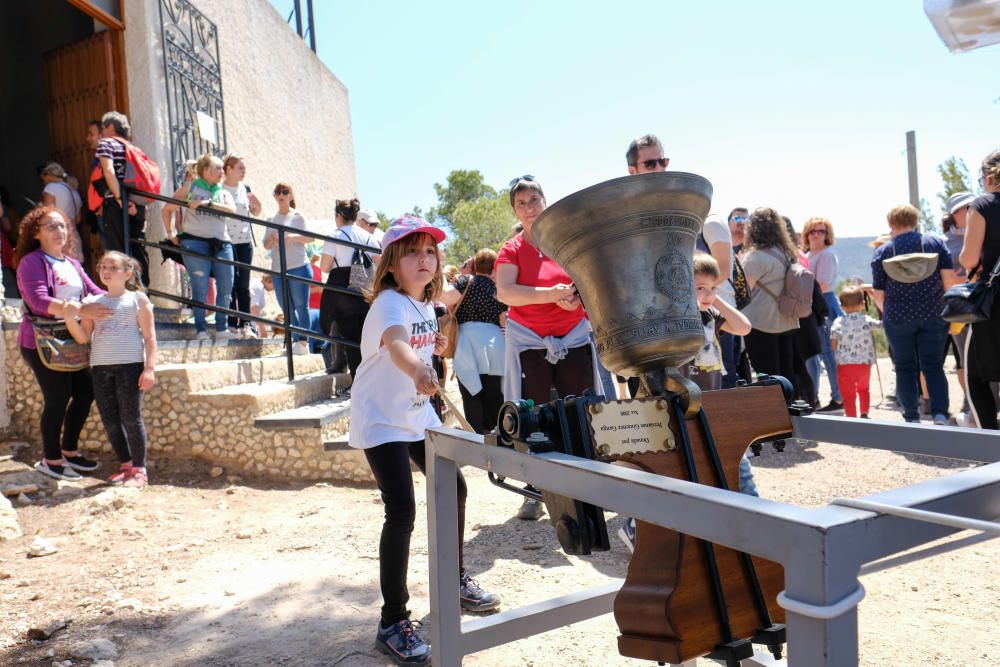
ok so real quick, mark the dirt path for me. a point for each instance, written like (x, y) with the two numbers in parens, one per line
(198, 571)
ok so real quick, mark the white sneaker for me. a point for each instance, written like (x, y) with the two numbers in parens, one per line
(203, 335)
(300, 347)
(225, 335)
(965, 419)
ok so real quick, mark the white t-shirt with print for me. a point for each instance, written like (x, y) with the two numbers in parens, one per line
(385, 403)
(66, 280)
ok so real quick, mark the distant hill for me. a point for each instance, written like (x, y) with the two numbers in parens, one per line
(855, 256)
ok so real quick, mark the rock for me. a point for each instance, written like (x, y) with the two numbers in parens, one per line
(95, 649)
(9, 527)
(11, 490)
(244, 534)
(67, 490)
(216, 471)
(103, 663)
(4, 575)
(111, 500)
(46, 631)
(23, 500)
(41, 547)
(130, 603)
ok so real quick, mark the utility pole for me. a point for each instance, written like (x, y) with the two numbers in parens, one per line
(911, 165)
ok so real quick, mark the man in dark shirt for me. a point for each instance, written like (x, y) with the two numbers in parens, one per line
(115, 133)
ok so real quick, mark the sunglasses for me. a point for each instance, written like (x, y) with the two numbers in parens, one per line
(739, 218)
(515, 181)
(54, 226)
(817, 231)
(282, 191)
(660, 162)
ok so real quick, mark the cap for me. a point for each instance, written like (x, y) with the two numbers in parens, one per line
(410, 224)
(368, 216)
(958, 200)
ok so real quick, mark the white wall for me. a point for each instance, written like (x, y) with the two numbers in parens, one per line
(285, 112)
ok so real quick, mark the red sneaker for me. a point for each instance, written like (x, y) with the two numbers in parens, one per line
(124, 470)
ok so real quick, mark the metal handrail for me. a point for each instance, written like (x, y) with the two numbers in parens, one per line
(282, 273)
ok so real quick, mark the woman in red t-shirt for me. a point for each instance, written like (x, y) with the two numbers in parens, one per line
(548, 335)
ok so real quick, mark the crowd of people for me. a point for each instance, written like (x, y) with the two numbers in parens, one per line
(521, 330)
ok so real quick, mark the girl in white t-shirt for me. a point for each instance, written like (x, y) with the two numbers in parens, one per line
(391, 409)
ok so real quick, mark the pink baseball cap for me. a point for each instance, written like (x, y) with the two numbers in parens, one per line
(410, 224)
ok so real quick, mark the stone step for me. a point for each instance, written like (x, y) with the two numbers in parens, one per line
(314, 415)
(212, 374)
(273, 395)
(336, 446)
(198, 351)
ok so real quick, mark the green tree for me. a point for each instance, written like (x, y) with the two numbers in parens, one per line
(464, 185)
(484, 223)
(928, 223)
(955, 176)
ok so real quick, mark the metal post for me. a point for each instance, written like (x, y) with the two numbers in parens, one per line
(442, 538)
(911, 166)
(312, 26)
(298, 17)
(286, 303)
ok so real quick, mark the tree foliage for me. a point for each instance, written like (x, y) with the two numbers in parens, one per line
(956, 178)
(484, 223)
(929, 224)
(464, 185)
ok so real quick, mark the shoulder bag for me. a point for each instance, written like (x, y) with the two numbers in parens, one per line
(56, 347)
(971, 302)
(448, 324)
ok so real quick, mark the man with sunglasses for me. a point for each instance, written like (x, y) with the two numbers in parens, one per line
(645, 155)
(368, 221)
(738, 227)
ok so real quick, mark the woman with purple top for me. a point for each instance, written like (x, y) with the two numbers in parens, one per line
(52, 285)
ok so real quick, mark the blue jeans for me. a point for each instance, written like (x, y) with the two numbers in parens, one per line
(918, 347)
(199, 269)
(827, 356)
(299, 293)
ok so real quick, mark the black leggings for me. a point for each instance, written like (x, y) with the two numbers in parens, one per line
(67, 398)
(116, 388)
(977, 382)
(482, 409)
(242, 252)
(390, 463)
(772, 353)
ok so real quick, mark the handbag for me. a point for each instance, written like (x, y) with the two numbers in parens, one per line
(448, 324)
(971, 302)
(911, 267)
(57, 348)
(362, 274)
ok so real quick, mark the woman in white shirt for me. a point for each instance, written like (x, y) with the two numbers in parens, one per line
(341, 312)
(296, 262)
(247, 204)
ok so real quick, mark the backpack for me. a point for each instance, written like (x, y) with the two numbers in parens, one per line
(141, 173)
(796, 295)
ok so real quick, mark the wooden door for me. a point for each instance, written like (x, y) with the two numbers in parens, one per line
(84, 80)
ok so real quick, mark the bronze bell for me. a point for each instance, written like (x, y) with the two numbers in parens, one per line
(628, 245)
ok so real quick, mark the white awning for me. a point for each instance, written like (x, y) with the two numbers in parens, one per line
(964, 25)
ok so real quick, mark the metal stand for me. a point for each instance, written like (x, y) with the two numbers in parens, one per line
(822, 550)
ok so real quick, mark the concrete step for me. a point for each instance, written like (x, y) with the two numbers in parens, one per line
(212, 374)
(314, 415)
(274, 395)
(198, 351)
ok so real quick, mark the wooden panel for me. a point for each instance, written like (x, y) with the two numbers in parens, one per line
(82, 83)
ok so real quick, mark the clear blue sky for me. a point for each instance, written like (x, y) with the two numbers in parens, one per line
(802, 106)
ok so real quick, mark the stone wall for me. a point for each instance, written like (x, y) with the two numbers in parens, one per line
(212, 427)
(284, 110)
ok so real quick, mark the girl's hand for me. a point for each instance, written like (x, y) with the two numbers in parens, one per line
(426, 380)
(195, 203)
(572, 303)
(440, 342)
(147, 379)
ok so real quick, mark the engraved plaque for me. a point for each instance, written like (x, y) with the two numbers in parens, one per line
(637, 425)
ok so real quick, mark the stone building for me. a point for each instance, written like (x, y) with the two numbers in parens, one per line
(193, 77)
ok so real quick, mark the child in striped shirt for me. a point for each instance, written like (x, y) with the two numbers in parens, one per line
(122, 362)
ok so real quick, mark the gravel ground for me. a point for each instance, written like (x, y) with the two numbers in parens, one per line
(197, 571)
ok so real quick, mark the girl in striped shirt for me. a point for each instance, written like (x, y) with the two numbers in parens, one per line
(122, 362)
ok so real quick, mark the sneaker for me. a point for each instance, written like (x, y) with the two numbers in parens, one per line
(403, 643)
(225, 335)
(136, 479)
(202, 335)
(940, 420)
(57, 472)
(124, 470)
(965, 419)
(475, 598)
(80, 463)
(300, 347)
(864, 415)
(342, 392)
(531, 510)
(832, 406)
(627, 533)
(912, 420)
